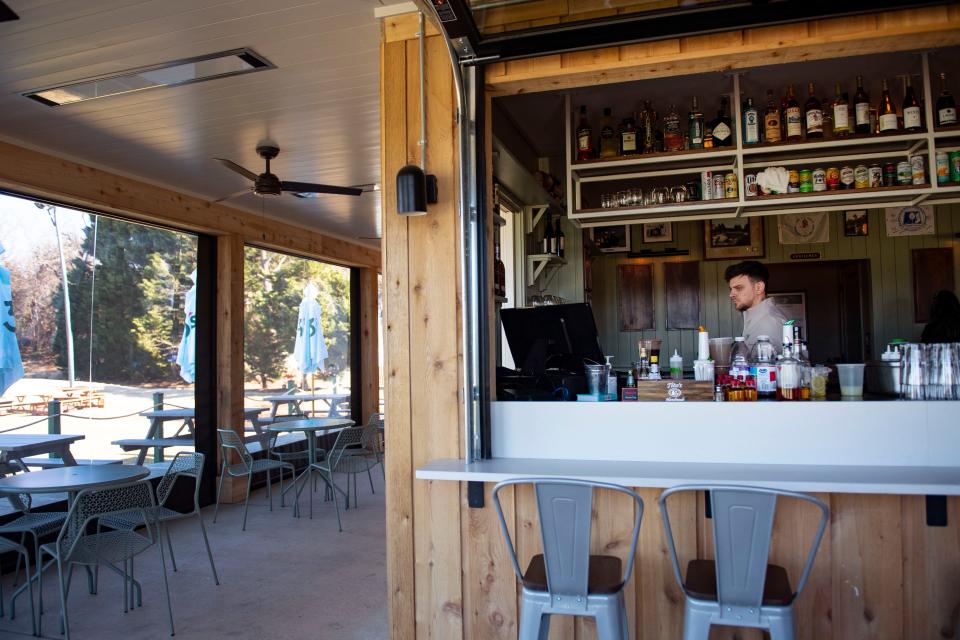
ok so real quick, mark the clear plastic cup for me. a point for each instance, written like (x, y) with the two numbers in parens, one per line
(818, 382)
(851, 379)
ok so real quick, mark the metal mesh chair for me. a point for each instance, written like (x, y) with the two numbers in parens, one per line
(75, 546)
(230, 441)
(565, 579)
(291, 457)
(740, 588)
(8, 545)
(346, 456)
(184, 465)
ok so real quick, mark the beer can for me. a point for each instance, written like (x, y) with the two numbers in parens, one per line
(904, 172)
(706, 185)
(730, 185)
(833, 178)
(876, 176)
(751, 180)
(954, 157)
(943, 167)
(806, 181)
(846, 177)
(819, 180)
(861, 176)
(918, 169)
(718, 186)
(889, 174)
(793, 184)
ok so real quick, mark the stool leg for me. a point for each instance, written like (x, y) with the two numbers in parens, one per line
(781, 626)
(608, 622)
(544, 626)
(696, 623)
(624, 622)
(530, 621)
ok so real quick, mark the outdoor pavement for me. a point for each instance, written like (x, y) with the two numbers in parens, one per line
(283, 578)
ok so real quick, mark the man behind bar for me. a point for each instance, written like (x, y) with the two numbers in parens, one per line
(748, 292)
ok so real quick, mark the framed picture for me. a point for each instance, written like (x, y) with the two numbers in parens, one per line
(732, 238)
(658, 232)
(614, 239)
(855, 223)
(793, 304)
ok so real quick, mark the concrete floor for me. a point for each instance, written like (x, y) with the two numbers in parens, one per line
(281, 578)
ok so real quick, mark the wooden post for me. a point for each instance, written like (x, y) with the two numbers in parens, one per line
(369, 349)
(230, 373)
(157, 429)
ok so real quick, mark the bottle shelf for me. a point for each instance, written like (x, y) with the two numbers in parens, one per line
(849, 193)
(674, 159)
(542, 263)
(654, 213)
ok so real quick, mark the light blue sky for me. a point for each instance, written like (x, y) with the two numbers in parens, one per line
(24, 228)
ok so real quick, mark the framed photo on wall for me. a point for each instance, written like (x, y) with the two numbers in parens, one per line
(733, 238)
(615, 239)
(658, 232)
(855, 223)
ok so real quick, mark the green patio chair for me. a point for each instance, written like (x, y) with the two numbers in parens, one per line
(346, 456)
(230, 441)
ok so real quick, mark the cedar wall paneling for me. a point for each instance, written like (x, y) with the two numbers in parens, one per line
(881, 572)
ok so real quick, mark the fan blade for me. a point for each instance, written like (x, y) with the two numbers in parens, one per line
(233, 195)
(309, 187)
(233, 166)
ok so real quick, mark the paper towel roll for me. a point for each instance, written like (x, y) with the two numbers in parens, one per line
(703, 345)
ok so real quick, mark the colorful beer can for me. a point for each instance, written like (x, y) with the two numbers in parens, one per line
(806, 181)
(706, 185)
(730, 185)
(889, 174)
(819, 180)
(876, 176)
(751, 180)
(918, 169)
(861, 176)
(718, 186)
(846, 177)
(943, 167)
(904, 173)
(954, 157)
(833, 178)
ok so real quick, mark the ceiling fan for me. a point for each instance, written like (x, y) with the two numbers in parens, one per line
(268, 184)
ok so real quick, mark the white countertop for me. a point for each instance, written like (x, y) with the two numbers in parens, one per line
(904, 480)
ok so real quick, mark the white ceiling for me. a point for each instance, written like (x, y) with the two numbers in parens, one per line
(321, 103)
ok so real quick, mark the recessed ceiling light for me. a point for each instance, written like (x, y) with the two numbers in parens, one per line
(167, 74)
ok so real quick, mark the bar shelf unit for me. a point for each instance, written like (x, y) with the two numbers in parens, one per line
(585, 179)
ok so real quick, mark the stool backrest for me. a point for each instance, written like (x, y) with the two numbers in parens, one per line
(743, 520)
(565, 510)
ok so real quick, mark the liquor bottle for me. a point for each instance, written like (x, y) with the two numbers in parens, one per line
(609, 147)
(946, 107)
(695, 118)
(554, 249)
(628, 137)
(648, 121)
(841, 113)
(771, 119)
(794, 121)
(911, 109)
(584, 136)
(672, 137)
(561, 240)
(721, 126)
(887, 111)
(548, 241)
(814, 114)
(861, 107)
(751, 123)
(790, 376)
(499, 273)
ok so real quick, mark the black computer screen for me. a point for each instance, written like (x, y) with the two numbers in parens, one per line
(557, 336)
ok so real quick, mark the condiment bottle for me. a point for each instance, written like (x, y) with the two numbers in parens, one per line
(676, 366)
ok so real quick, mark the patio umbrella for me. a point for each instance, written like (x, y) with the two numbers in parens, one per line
(11, 367)
(186, 354)
(310, 349)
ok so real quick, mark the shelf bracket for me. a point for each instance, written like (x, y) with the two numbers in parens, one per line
(916, 145)
(537, 267)
(919, 199)
(534, 213)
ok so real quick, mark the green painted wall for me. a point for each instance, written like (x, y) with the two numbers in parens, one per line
(890, 273)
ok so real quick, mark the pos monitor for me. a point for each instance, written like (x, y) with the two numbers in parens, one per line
(558, 337)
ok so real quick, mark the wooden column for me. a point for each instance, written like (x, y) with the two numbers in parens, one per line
(230, 371)
(369, 349)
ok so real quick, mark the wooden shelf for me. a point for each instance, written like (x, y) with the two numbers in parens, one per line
(692, 157)
(849, 192)
(540, 263)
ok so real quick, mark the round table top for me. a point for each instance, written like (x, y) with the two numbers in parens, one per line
(75, 478)
(310, 424)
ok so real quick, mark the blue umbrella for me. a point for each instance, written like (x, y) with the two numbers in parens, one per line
(11, 367)
(310, 349)
(186, 354)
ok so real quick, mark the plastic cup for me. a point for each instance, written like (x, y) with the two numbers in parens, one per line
(851, 379)
(818, 382)
(720, 351)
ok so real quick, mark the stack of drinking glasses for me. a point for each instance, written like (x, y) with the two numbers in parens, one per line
(930, 371)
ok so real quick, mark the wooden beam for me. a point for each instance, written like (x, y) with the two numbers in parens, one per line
(369, 348)
(230, 370)
(41, 175)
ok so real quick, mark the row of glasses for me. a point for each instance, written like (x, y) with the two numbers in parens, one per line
(545, 299)
(930, 371)
(638, 197)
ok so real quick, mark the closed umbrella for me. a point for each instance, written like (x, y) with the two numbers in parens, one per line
(186, 354)
(310, 349)
(11, 367)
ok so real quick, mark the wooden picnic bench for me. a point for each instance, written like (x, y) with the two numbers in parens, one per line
(53, 463)
(15, 447)
(143, 444)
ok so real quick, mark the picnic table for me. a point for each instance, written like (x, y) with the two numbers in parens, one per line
(331, 399)
(15, 447)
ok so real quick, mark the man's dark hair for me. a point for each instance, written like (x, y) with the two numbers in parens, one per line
(750, 268)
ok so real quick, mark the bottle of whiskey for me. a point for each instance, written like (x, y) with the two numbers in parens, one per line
(794, 121)
(721, 126)
(814, 114)
(841, 113)
(911, 109)
(887, 111)
(751, 123)
(648, 121)
(628, 137)
(946, 107)
(861, 106)
(584, 136)
(608, 137)
(771, 119)
(695, 118)
(672, 136)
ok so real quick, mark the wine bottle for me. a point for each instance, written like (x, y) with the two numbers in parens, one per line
(840, 113)
(721, 126)
(794, 121)
(584, 136)
(771, 119)
(814, 114)
(547, 237)
(887, 111)
(561, 240)
(861, 106)
(911, 109)
(751, 123)
(946, 107)
(608, 138)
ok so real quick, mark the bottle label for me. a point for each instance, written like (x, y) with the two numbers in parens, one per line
(911, 118)
(888, 122)
(583, 142)
(766, 377)
(863, 113)
(947, 115)
(794, 124)
(814, 121)
(840, 117)
(721, 131)
(772, 127)
(629, 139)
(696, 132)
(751, 128)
